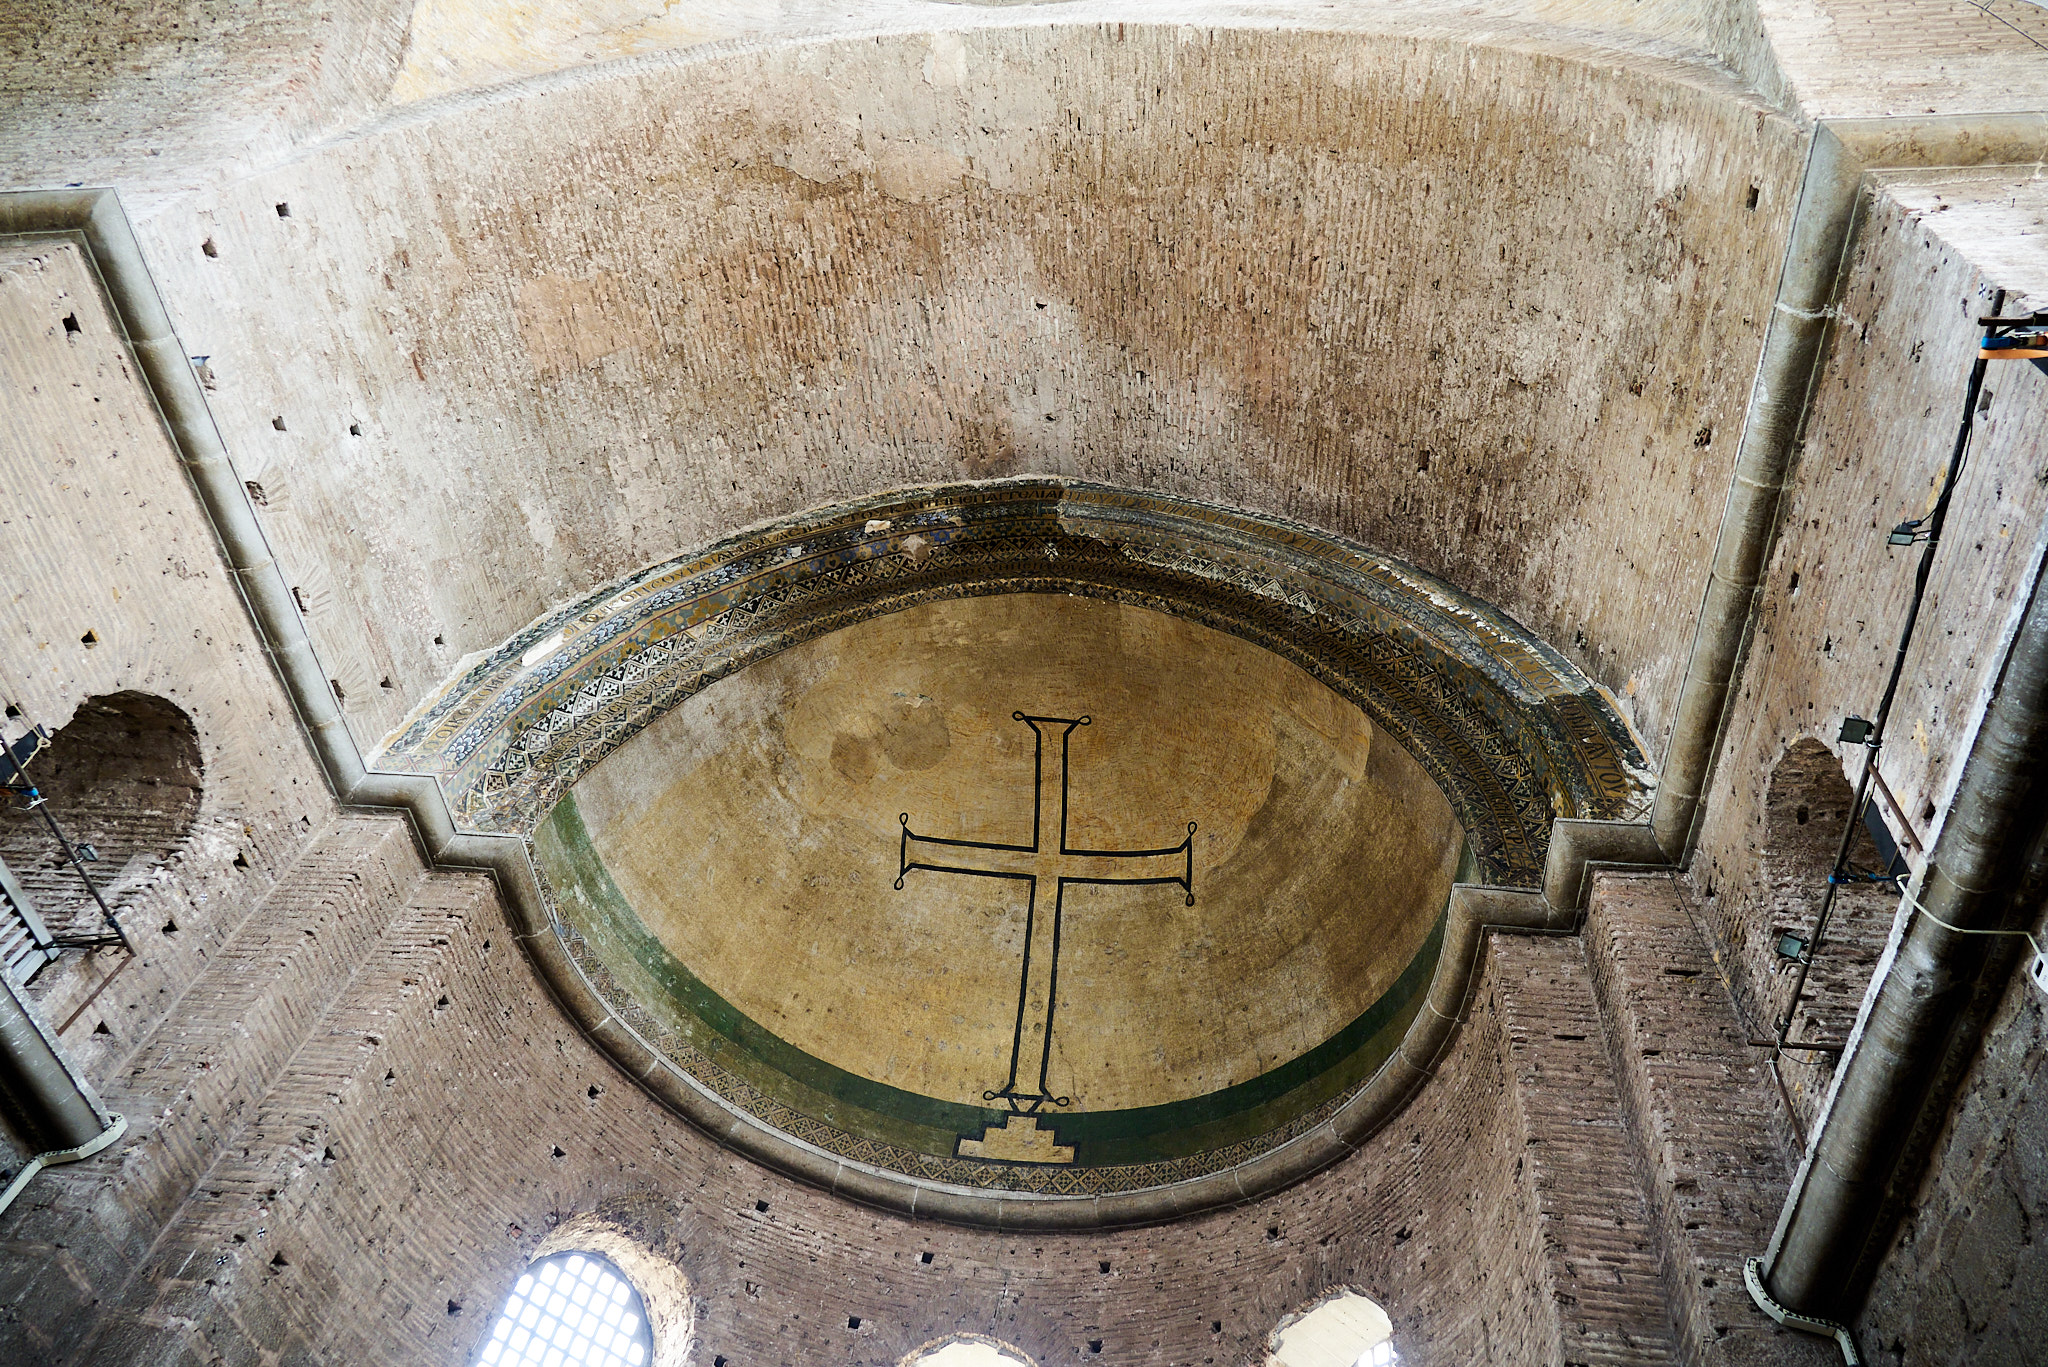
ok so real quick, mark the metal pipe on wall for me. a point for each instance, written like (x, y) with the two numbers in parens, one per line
(1888, 1082)
(44, 1099)
(1749, 519)
(1844, 151)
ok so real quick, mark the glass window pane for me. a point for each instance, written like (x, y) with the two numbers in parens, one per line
(570, 1310)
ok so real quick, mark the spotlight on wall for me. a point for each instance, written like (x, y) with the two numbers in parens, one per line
(1905, 534)
(1855, 731)
(1791, 946)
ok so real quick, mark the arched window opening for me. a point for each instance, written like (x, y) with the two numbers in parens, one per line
(1806, 804)
(570, 1310)
(968, 1351)
(1343, 1330)
(122, 781)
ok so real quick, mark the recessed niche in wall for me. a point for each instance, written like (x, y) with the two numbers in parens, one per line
(122, 777)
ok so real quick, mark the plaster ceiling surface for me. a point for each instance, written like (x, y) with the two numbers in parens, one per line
(878, 848)
(1026, 837)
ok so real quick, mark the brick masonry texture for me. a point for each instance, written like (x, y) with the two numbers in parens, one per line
(1491, 305)
(1884, 419)
(1709, 1132)
(378, 1153)
(1246, 279)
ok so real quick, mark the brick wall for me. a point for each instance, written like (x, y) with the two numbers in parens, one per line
(1252, 277)
(368, 1116)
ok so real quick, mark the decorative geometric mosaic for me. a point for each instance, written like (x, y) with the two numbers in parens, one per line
(1507, 727)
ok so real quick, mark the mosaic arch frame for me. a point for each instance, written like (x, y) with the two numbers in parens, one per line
(1513, 734)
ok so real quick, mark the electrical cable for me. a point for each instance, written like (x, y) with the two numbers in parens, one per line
(1753, 1278)
(1914, 903)
(1874, 742)
(116, 1127)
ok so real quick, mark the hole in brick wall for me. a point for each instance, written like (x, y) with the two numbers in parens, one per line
(13, 711)
(1215, 1326)
(1102, 1267)
(122, 776)
(439, 642)
(284, 211)
(256, 494)
(1926, 812)
(1754, 191)
(1793, 585)
(299, 599)
(335, 684)
(70, 323)
(455, 1307)
(595, 1091)
(558, 1152)
(208, 247)
(761, 1206)
(278, 422)
(101, 1029)
(170, 928)
(278, 1259)
(925, 1257)
(1573, 1038)
(385, 683)
(328, 1155)
(1272, 1231)
(853, 1321)
(89, 640)
(441, 1004)
(355, 429)
(1807, 803)
(389, 1077)
(240, 862)
(1094, 1345)
(718, 1362)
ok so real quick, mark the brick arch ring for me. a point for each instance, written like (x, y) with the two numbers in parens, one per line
(1513, 734)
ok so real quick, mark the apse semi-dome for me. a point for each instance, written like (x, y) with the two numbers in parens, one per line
(1022, 842)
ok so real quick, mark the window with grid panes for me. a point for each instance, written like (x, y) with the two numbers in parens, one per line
(570, 1310)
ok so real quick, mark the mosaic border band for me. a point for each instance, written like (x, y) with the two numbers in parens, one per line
(1508, 728)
